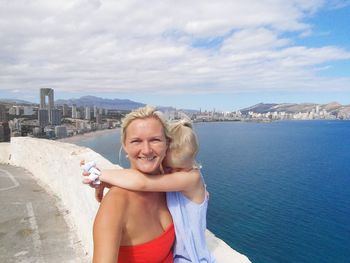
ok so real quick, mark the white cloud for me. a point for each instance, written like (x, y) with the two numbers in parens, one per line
(149, 46)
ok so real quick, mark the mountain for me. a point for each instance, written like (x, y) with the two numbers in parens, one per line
(333, 107)
(89, 101)
(120, 104)
(16, 101)
(260, 107)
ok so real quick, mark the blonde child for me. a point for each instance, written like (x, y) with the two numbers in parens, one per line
(187, 198)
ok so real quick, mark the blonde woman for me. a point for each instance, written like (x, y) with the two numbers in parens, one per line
(136, 226)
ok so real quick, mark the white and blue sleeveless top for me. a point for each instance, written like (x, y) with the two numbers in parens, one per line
(190, 220)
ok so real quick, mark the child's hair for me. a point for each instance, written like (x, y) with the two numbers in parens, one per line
(143, 113)
(183, 145)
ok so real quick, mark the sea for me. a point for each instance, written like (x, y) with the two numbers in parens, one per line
(279, 191)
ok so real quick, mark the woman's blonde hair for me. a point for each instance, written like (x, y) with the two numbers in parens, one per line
(184, 144)
(143, 113)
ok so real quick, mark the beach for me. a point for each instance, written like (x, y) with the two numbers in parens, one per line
(87, 135)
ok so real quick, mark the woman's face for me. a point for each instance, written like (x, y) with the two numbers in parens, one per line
(146, 145)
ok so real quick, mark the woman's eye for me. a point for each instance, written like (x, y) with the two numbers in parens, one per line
(135, 141)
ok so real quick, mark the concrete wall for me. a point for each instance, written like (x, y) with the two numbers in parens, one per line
(56, 166)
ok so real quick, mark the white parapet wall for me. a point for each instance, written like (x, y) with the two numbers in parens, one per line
(56, 166)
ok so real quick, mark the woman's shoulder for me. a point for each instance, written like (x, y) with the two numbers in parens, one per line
(121, 197)
(116, 197)
(108, 214)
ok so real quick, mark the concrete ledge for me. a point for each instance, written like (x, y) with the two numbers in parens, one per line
(5, 152)
(56, 166)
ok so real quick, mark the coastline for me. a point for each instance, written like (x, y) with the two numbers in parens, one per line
(86, 135)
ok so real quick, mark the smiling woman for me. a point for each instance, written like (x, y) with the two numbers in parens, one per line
(143, 231)
(146, 145)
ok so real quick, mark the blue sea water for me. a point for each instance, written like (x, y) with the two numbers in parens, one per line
(279, 192)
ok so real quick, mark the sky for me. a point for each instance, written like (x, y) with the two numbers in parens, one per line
(199, 54)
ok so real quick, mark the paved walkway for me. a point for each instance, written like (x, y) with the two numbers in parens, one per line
(32, 228)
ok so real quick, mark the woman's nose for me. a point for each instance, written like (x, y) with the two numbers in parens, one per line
(146, 148)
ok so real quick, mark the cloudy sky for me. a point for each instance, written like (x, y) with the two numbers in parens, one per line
(189, 54)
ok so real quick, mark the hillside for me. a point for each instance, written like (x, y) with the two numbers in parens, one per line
(333, 107)
(90, 101)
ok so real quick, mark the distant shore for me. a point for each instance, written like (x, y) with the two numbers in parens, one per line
(87, 135)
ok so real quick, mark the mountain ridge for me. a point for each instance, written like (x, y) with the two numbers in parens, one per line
(127, 104)
(332, 107)
(90, 101)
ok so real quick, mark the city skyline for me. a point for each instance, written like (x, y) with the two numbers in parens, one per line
(52, 121)
(191, 55)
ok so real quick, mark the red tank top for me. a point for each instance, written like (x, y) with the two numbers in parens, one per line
(158, 250)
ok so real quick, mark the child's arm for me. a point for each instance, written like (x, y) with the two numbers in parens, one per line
(134, 180)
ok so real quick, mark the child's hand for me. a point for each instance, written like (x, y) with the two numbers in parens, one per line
(92, 176)
(91, 172)
(87, 166)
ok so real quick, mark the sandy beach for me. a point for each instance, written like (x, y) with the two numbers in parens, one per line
(87, 135)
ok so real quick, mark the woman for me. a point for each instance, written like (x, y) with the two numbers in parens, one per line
(137, 226)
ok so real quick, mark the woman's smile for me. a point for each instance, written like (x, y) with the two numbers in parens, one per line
(148, 158)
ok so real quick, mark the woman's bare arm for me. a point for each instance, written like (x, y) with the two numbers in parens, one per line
(108, 227)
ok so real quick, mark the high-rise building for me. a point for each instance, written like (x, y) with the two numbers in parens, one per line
(3, 114)
(43, 117)
(74, 111)
(87, 113)
(65, 110)
(95, 111)
(46, 93)
(5, 132)
(56, 117)
(50, 104)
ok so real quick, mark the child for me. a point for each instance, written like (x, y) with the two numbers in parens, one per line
(187, 199)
